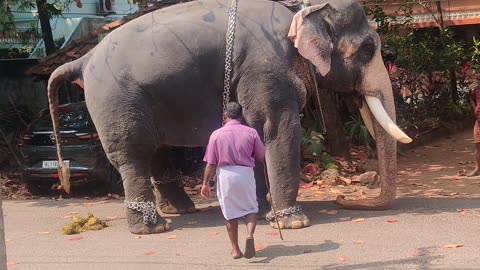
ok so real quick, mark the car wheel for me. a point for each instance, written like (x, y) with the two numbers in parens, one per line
(38, 189)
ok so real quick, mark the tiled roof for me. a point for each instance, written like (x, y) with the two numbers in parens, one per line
(80, 46)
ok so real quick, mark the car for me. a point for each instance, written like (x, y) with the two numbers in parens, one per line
(81, 150)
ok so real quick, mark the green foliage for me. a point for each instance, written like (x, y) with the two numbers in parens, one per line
(312, 140)
(52, 8)
(328, 162)
(427, 50)
(357, 132)
(475, 54)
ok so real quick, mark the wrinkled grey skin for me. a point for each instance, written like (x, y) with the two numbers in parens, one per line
(158, 80)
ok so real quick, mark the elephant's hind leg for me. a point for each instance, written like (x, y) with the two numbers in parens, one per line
(169, 191)
(129, 138)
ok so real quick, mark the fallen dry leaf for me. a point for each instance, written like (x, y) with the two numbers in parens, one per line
(11, 263)
(259, 247)
(334, 191)
(173, 236)
(88, 204)
(452, 245)
(151, 253)
(75, 239)
(392, 221)
(359, 220)
(191, 223)
(359, 242)
(212, 233)
(345, 218)
(342, 258)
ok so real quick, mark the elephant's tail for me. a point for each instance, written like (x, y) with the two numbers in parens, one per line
(67, 72)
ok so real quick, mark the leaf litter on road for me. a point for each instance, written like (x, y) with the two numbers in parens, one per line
(359, 242)
(452, 245)
(392, 221)
(259, 247)
(171, 237)
(150, 253)
(75, 239)
(358, 220)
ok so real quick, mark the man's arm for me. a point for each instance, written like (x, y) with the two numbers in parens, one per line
(258, 149)
(209, 173)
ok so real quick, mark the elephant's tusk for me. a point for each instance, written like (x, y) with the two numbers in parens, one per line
(385, 121)
(367, 118)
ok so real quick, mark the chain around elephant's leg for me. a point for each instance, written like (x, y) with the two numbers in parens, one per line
(171, 196)
(289, 218)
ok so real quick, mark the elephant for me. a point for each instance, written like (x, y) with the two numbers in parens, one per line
(157, 82)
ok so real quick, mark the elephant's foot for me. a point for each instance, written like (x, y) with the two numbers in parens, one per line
(289, 218)
(263, 208)
(172, 199)
(145, 219)
(378, 203)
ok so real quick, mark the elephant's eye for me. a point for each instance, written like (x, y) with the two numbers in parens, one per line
(366, 51)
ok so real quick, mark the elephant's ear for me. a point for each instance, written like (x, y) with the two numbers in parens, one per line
(312, 38)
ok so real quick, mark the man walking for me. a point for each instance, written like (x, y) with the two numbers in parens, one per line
(232, 151)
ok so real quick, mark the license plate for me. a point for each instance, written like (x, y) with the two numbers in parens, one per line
(53, 164)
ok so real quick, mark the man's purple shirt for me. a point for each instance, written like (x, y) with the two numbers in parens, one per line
(234, 144)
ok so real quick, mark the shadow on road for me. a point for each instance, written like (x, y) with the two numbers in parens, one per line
(422, 260)
(276, 251)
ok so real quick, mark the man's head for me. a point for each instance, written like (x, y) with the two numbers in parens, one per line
(234, 111)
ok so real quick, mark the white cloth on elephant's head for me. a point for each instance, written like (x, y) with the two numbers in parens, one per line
(236, 191)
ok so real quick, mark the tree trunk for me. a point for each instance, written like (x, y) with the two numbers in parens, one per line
(46, 28)
(335, 136)
(3, 248)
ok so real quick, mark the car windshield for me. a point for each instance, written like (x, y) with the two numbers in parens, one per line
(69, 120)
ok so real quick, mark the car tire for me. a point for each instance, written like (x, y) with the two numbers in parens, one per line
(38, 189)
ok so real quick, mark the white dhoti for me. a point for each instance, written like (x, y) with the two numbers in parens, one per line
(236, 191)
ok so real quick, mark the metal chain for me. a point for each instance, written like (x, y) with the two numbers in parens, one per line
(147, 208)
(284, 212)
(230, 37)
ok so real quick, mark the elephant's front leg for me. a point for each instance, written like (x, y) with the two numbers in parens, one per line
(283, 163)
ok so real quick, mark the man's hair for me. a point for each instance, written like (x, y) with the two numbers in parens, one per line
(234, 110)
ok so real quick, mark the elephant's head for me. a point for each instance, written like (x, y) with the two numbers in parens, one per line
(346, 51)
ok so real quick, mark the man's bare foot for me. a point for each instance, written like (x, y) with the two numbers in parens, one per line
(475, 172)
(236, 254)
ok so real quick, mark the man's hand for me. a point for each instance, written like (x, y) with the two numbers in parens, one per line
(206, 191)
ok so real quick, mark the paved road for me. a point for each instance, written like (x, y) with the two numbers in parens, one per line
(415, 241)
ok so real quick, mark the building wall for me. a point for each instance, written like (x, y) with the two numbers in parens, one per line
(455, 12)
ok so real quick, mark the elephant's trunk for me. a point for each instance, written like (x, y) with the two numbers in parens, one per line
(387, 156)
